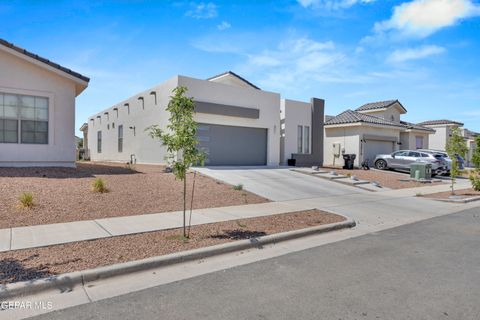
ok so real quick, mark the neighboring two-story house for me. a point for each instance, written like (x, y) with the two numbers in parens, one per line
(372, 129)
(443, 129)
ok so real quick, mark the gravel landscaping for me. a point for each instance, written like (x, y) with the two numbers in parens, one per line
(29, 264)
(392, 180)
(462, 194)
(65, 194)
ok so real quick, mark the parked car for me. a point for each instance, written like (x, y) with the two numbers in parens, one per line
(460, 160)
(401, 160)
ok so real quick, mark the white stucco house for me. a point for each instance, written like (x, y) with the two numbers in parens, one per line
(372, 129)
(37, 109)
(239, 124)
(443, 129)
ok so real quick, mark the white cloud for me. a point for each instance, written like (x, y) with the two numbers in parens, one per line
(400, 55)
(297, 64)
(420, 18)
(331, 4)
(202, 10)
(223, 26)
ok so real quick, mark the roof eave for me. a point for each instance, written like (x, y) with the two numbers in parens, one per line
(81, 82)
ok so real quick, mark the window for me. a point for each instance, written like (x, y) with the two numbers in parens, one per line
(419, 142)
(401, 153)
(414, 154)
(120, 138)
(306, 139)
(25, 117)
(300, 139)
(99, 141)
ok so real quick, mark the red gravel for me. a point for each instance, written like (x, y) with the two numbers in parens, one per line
(392, 180)
(64, 194)
(464, 193)
(22, 265)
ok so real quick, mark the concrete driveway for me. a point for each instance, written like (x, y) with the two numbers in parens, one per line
(278, 184)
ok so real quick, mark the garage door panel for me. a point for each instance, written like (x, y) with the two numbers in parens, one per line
(375, 147)
(232, 145)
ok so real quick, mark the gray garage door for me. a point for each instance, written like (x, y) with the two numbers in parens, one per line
(372, 148)
(232, 146)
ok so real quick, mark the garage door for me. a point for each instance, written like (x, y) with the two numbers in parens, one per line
(372, 148)
(232, 146)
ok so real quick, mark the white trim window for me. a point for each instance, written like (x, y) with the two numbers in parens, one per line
(99, 141)
(299, 139)
(120, 138)
(23, 119)
(303, 139)
(419, 142)
(306, 139)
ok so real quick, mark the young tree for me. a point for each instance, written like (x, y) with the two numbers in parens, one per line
(475, 175)
(476, 154)
(180, 140)
(456, 146)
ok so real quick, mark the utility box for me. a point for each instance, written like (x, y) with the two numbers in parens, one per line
(421, 171)
(336, 149)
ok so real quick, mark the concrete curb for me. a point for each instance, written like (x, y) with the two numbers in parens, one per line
(66, 282)
(465, 200)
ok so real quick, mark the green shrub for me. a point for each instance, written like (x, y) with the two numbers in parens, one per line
(475, 180)
(99, 185)
(26, 200)
(238, 187)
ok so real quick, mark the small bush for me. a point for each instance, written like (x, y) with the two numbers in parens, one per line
(238, 187)
(99, 186)
(475, 180)
(26, 200)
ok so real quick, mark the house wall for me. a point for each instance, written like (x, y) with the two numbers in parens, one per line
(147, 150)
(386, 114)
(18, 76)
(438, 140)
(350, 139)
(268, 103)
(293, 114)
(409, 142)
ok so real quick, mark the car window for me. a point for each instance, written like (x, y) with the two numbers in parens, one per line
(414, 154)
(401, 153)
(425, 155)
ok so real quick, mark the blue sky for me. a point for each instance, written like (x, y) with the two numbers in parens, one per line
(423, 52)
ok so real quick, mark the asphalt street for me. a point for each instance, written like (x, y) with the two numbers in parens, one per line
(426, 270)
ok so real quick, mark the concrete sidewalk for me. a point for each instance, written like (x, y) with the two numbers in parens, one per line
(45, 235)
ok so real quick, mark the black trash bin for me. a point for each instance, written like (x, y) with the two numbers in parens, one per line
(349, 159)
(291, 162)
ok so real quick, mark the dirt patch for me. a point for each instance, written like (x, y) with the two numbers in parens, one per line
(22, 265)
(462, 194)
(392, 180)
(64, 194)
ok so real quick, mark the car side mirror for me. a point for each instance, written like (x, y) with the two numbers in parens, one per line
(393, 155)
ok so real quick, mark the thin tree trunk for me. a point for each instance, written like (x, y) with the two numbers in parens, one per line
(191, 204)
(184, 206)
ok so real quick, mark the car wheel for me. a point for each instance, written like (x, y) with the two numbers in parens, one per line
(381, 164)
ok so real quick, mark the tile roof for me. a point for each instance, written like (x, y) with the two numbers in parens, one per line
(41, 59)
(350, 116)
(414, 126)
(377, 105)
(439, 122)
(235, 75)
